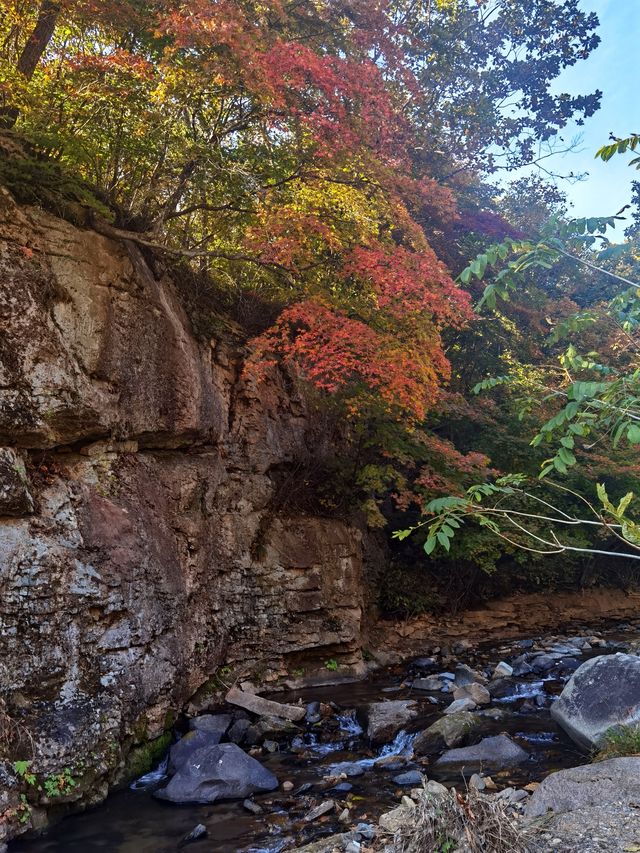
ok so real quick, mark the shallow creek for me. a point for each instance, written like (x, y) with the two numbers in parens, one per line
(132, 821)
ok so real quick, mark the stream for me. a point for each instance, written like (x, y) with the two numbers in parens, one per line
(333, 759)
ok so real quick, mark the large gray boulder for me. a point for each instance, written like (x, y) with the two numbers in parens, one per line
(492, 753)
(601, 694)
(223, 771)
(448, 731)
(191, 742)
(385, 719)
(587, 787)
(214, 724)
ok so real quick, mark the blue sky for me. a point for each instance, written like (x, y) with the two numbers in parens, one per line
(613, 68)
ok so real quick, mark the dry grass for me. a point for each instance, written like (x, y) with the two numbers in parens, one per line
(15, 739)
(468, 823)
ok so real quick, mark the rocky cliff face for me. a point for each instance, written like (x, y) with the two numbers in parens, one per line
(139, 549)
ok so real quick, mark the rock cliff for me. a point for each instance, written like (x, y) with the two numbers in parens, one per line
(147, 558)
(139, 548)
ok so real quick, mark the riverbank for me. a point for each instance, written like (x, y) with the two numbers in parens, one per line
(335, 770)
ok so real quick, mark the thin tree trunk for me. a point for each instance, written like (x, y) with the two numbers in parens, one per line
(32, 52)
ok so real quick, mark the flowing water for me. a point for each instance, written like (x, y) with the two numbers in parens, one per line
(132, 821)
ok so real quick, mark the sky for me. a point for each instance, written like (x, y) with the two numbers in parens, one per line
(613, 68)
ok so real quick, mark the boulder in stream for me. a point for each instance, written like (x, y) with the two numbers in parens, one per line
(477, 693)
(492, 753)
(458, 705)
(448, 731)
(215, 724)
(222, 771)
(430, 682)
(601, 694)
(385, 719)
(269, 727)
(189, 743)
(465, 676)
(502, 670)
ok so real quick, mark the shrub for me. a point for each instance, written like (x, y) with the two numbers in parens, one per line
(472, 821)
(618, 742)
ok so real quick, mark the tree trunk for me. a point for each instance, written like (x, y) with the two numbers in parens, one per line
(32, 51)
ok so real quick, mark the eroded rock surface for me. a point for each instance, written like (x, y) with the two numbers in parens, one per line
(588, 786)
(603, 693)
(147, 540)
(218, 772)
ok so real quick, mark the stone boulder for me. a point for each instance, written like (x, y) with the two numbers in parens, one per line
(385, 719)
(191, 742)
(219, 772)
(588, 787)
(466, 676)
(448, 731)
(492, 753)
(214, 724)
(274, 728)
(601, 694)
(475, 692)
(459, 705)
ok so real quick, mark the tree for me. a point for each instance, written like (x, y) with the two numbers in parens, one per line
(595, 401)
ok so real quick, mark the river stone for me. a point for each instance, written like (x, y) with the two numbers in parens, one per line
(214, 724)
(328, 844)
(431, 682)
(475, 692)
(492, 753)
(589, 786)
(465, 676)
(411, 777)
(218, 772)
(391, 762)
(601, 694)
(400, 816)
(502, 687)
(238, 730)
(544, 663)
(521, 666)
(502, 670)
(349, 768)
(458, 705)
(191, 742)
(448, 731)
(385, 719)
(269, 727)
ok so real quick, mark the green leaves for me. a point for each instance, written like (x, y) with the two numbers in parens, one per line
(493, 382)
(630, 529)
(633, 434)
(620, 146)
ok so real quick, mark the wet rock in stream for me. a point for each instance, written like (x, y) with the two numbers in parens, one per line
(223, 771)
(189, 743)
(475, 692)
(448, 731)
(492, 753)
(602, 693)
(385, 719)
(459, 705)
(214, 725)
